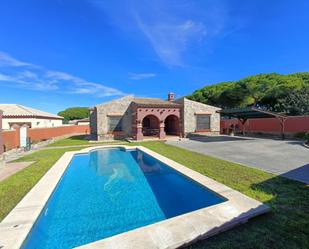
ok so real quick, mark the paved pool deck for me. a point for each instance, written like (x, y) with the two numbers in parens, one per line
(289, 158)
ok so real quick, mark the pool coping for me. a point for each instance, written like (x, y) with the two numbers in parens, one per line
(171, 233)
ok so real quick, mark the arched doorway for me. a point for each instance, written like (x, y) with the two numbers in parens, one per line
(151, 126)
(172, 125)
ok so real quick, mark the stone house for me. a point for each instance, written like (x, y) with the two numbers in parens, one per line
(138, 118)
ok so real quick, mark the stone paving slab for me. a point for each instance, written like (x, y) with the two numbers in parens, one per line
(289, 158)
(11, 168)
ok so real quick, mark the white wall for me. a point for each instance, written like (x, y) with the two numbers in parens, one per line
(83, 123)
(35, 123)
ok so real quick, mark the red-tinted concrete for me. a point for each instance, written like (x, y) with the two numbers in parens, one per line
(11, 137)
(159, 116)
(293, 125)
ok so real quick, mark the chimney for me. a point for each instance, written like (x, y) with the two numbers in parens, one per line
(170, 96)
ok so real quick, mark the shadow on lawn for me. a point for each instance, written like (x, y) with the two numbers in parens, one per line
(301, 173)
(286, 226)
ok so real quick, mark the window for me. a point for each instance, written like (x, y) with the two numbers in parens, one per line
(202, 122)
(114, 123)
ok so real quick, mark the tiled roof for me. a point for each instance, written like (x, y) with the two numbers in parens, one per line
(154, 102)
(12, 110)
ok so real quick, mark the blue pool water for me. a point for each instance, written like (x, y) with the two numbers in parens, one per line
(110, 191)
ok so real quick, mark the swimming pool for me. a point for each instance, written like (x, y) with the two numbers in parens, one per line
(110, 191)
(126, 197)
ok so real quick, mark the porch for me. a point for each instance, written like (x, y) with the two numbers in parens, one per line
(157, 122)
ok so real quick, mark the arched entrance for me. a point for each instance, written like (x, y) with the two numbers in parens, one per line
(172, 125)
(151, 126)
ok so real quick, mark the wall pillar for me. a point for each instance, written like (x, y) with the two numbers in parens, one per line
(181, 133)
(139, 131)
(162, 133)
(1, 138)
(16, 142)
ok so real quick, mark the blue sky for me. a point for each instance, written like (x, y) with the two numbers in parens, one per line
(60, 53)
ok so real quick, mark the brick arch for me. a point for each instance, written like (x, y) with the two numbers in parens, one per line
(150, 125)
(172, 125)
(160, 113)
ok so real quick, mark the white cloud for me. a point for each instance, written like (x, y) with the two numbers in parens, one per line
(34, 77)
(7, 60)
(175, 30)
(141, 76)
(4, 77)
(170, 40)
(83, 86)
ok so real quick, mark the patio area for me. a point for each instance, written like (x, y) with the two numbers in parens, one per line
(288, 158)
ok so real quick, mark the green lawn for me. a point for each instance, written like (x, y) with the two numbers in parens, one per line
(79, 140)
(286, 226)
(18, 185)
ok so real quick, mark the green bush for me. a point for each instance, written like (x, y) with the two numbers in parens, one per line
(300, 135)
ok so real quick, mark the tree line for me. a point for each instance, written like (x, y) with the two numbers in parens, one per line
(74, 113)
(287, 94)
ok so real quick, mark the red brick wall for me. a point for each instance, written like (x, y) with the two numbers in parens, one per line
(39, 134)
(11, 138)
(293, 125)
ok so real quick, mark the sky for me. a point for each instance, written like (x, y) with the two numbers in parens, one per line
(56, 54)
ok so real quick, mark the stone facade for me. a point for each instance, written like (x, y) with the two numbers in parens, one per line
(99, 117)
(182, 119)
(190, 111)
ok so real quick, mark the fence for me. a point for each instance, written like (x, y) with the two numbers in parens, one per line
(293, 125)
(11, 138)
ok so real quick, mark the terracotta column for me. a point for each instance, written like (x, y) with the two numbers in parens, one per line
(139, 131)
(180, 130)
(1, 138)
(162, 133)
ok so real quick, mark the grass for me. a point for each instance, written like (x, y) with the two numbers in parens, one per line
(79, 140)
(286, 226)
(15, 187)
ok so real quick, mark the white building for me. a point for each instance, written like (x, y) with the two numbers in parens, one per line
(14, 114)
(84, 121)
